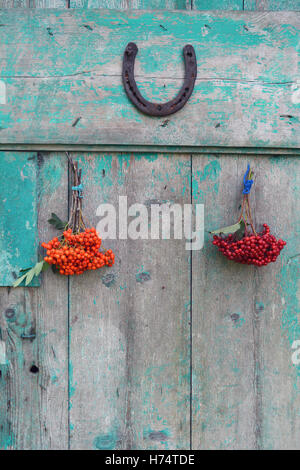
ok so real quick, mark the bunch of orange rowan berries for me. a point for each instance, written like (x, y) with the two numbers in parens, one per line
(77, 252)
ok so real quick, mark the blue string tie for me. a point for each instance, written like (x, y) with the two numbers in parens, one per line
(247, 183)
(78, 188)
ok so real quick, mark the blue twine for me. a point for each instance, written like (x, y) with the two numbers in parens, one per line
(247, 183)
(79, 189)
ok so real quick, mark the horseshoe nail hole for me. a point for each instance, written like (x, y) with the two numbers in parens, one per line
(159, 107)
(189, 54)
(186, 89)
(34, 369)
(9, 313)
(235, 317)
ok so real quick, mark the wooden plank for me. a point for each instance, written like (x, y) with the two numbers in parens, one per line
(223, 346)
(218, 5)
(153, 149)
(18, 214)
(255, 5)
(34, 332)
(245, 318)
(255, 399)
(133, 4)
(33, 3)
(276, 308)
(133, 321)
(130, 333)
(271, 5)
(243, 75)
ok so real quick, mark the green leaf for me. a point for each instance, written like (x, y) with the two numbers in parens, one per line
(31, 272)
(19, 280)
(29, 276)
(57, 222)
(230, 229)
(38, 268)
(241, 231)
(24, 270)
(45, 266)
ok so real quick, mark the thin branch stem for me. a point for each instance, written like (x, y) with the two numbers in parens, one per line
(246, 210)
(250, 215)
(75, 222)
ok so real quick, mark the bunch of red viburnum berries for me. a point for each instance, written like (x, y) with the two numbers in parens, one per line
(245, 246)
(260, 249)
(76, 253)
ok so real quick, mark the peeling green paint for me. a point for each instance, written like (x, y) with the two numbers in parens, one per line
(18, 215)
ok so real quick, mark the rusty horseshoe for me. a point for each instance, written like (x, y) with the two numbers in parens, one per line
(158, 109)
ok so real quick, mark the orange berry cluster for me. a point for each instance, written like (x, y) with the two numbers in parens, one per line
(76, 253)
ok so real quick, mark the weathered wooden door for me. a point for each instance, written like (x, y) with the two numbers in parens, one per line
(170, 348)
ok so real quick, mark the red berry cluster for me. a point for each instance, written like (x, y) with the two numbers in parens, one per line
(76, 253)
(260, 249)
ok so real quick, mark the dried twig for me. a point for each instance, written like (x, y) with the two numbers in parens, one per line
(75, 222)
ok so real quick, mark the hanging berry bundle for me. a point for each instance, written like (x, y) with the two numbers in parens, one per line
(243, 245)
(77, 249)
(76, 253)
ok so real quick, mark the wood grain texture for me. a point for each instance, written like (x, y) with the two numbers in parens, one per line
(18, 215)
(254, 5)
(276, 307)
(33, 3)
(245, 75)
(130, 333)
(217, 5)
(245, 318)
(271, 5)
(133, 323)
(34, 331)
(34, 341)
(133, 4)
(126, 331)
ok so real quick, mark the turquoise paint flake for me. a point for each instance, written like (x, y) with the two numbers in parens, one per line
(157, 435)
(211, 172)
(106, 441)
(7, 441)
(239, 322)
(18, 215)
(72, 384)
(288, 279)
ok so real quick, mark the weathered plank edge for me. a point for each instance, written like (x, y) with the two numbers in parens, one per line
(152, 149)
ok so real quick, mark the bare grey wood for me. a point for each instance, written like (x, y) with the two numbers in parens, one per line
(129, 341)
(34, 336)
(245, 318)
